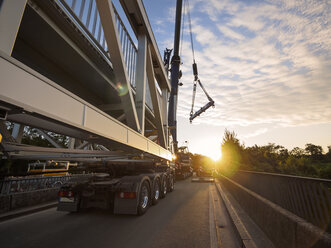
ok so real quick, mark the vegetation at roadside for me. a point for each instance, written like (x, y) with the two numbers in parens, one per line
(310, 161)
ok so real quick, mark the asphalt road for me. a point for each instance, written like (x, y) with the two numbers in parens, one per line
(184, 219)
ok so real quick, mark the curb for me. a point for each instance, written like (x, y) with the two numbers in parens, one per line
(25, 211)
(243, 234)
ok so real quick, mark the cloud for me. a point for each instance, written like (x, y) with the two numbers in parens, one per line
(264, 62)
(256, 133)
(230, 33)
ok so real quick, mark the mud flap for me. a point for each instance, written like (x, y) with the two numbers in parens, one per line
(128, 184)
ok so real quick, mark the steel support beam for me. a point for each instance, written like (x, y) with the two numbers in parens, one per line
(155, 100)
(141, 81)
(137, 16)
(33, 152)
(72, 142)
(48, 138)
(107, 17)
(151, 123)
(10, 19)
(121, 117)
(82, 145)
(110, 107)
(165, 115)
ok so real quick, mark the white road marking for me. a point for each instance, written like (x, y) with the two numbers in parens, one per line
(212, 225)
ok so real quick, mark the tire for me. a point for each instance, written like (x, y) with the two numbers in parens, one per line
(171, 183)
(156, 192)
(144, 198)
(164, 187)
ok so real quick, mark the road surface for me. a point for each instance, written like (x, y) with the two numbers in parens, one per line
(186, 218)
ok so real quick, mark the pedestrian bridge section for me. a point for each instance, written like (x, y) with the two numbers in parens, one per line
(74, 68)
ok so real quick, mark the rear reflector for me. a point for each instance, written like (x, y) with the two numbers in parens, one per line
(127, 195)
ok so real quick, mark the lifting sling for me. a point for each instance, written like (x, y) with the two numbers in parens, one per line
(196, 78)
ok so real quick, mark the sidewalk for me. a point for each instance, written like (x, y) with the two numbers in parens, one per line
(28, 210)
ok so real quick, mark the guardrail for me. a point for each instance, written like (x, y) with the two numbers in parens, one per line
(19, 185)
(309, 198)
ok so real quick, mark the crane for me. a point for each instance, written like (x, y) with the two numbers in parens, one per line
(176, 75)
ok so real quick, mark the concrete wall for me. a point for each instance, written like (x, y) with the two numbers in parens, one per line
(282, 227)
(15, 201)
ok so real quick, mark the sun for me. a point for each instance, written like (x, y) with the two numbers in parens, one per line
(208, 147)
(214, 154)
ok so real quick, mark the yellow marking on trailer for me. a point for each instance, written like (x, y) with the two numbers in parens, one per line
(0, 137)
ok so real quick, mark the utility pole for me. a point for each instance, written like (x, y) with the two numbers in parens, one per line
(175, 74)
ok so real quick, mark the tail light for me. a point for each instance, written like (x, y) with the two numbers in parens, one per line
(127, 195)
(66, 193)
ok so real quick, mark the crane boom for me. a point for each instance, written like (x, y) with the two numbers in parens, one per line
(175, 74)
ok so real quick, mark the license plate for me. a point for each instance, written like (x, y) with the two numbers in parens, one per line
(66, 199)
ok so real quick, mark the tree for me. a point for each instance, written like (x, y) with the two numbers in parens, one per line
(328, 154)
(315, 152)
(231, 152)
(297, 152)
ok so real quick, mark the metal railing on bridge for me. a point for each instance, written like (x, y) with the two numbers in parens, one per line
(85, 16)
(309, 198)
(12, 186)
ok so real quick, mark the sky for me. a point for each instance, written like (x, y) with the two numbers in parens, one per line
(266, 64)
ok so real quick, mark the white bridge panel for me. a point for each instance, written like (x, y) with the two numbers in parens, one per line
(139, 141)
(154, 148)
(34, 95)
(101, 124)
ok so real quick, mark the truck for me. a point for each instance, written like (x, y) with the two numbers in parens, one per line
(183, 163)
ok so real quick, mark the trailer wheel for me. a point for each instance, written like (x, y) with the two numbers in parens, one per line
(156, 193)
(143, 198)
(171, 183)
(164, 187)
